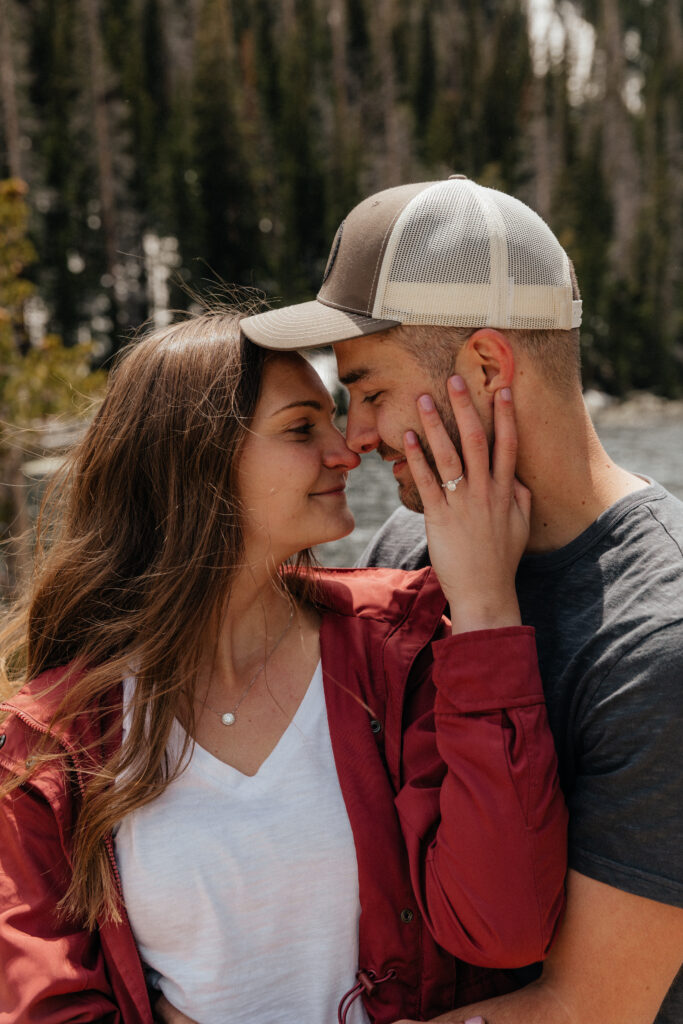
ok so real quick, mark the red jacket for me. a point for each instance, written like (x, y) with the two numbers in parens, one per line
(450, 784)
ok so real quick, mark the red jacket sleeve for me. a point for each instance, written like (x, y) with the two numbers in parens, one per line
(51, 971)
(480, 804)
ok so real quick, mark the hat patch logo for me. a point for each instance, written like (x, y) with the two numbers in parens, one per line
(333, 252)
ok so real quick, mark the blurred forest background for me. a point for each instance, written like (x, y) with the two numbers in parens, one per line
(232, 136)
(151, 144)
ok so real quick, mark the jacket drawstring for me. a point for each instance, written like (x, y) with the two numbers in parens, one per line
(367, 980)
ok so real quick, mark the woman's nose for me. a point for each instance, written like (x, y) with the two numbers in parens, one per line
(341, 455)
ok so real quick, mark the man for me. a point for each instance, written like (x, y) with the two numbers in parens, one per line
(451, 280)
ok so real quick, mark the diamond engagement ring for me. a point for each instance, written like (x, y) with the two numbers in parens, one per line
(450, 485)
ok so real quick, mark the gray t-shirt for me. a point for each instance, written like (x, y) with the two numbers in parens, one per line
(608, 613)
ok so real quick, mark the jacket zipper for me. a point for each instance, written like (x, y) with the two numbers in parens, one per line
(108, 842)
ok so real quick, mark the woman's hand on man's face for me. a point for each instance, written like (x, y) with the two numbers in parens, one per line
(477, 515)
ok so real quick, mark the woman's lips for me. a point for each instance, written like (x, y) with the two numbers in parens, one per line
(334, 492)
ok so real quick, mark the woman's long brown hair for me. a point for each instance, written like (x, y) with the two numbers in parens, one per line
(139, 540)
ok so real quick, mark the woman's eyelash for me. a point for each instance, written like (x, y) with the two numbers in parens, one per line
(303, 428)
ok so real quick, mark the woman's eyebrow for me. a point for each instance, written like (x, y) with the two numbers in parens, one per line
(309, 403)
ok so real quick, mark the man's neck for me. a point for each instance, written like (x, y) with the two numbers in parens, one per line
(571, 477)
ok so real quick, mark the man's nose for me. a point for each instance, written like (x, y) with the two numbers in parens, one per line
(361, 432)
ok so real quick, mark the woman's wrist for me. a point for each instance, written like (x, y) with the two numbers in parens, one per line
(490, 613)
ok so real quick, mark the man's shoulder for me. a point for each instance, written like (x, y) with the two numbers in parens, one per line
(635, 532)
(652, 505)
(614, 585)
(667, 513)
(640, 553)
(399, 543)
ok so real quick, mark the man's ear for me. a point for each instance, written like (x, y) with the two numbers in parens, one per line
(487, 360)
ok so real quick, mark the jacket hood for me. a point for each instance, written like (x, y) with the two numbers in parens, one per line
(38, 699)
(35, 706)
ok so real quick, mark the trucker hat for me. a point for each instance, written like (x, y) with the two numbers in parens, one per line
(449, 253)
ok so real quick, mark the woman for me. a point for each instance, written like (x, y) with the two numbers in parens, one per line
(231, 769)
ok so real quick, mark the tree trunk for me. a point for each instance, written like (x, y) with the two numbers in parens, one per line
(540, 148)
(337, 21)
(9, 94)
(673, 147)
(620, 160)
(103, 152)
(393, 160)
(344, 127)
(19, 550)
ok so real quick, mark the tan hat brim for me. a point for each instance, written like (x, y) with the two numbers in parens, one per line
(309, 325)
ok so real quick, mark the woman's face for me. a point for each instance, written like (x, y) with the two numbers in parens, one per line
(293, 469)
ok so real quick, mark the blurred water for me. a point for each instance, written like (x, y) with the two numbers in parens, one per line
(654, 450)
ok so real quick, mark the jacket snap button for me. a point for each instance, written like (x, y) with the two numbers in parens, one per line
(375, 725)
(407, 915)
(2, 739)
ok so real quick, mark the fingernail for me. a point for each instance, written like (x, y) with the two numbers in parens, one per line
(458, 384)
(475, 1020)
(410, 437)
(506, 395)
(425, 403)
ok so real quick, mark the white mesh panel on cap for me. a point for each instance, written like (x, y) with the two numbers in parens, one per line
(537, 262)
(500, 291)
(468, 256)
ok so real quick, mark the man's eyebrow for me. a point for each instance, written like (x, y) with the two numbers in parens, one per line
(355, 375)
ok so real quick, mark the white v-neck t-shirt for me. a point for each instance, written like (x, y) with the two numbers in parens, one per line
(242, 892)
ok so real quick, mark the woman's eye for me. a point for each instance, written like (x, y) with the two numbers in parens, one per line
(371, 398)
(302, 428)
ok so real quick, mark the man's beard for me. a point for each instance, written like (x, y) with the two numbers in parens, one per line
(408, 492)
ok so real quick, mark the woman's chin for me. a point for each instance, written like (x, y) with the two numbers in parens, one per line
(346, 529)
(335, 531)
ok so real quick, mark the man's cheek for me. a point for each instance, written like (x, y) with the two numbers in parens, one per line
(391, 430)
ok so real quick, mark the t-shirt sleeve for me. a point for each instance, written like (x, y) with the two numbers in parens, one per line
(625, 807)
(400, 543)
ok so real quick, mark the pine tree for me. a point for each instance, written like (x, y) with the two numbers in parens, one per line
(300, 173)
(229, 238)
(64, 238)
(8, 91)
(245, 129)
(425, 89)
(37, 381)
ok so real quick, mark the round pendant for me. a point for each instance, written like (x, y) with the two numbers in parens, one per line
(228, 718)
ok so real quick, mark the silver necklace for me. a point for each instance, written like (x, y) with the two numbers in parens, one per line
(229, 717)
